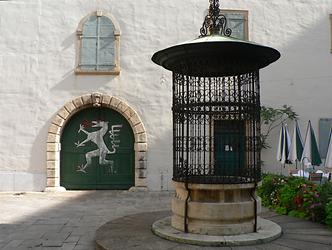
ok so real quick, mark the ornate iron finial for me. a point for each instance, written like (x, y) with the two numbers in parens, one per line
(215, 22)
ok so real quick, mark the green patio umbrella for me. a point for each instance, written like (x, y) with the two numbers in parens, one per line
(283, 145)
(280, 143)
(296, 149)
(287, 146)
(310, 153)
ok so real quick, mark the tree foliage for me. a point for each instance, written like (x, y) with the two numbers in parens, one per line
(272, 118)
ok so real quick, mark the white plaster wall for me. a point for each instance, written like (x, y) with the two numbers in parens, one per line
(37, 59)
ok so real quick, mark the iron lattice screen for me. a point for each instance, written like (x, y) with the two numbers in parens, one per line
(216, 129)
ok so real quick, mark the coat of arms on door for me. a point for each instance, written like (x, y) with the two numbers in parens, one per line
(97, 137)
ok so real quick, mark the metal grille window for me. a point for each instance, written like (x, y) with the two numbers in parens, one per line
(98, 44)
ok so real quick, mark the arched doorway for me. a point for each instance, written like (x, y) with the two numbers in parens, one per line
(97, 151)
(99, 101)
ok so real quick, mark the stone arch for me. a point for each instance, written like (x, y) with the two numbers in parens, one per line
(100, 13)
(94, 100)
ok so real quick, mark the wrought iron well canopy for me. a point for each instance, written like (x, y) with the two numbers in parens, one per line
(216, 128)
(216, 104)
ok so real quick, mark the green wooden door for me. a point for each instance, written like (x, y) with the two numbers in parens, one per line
(97, 151)
(229, 142)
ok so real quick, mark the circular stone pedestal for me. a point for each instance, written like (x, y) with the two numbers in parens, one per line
(268, 231)
(215, 209)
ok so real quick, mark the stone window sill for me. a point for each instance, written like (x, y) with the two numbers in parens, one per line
(78, 71)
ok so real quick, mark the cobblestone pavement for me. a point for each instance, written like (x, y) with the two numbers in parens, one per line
(67, 220)
(297, 234)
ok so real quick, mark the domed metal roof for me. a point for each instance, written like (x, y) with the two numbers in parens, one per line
(215, 55)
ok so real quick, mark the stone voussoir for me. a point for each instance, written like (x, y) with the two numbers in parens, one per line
(142, 137)
(139, 128)
(122, 107)
(105, 100)
(58, 120)
(140, 182)
(63, 112)
(87, 99)
(54, 129)
(70, 107)
(134, 120)
(51, 164)
(53, 147)
(129, 113)
(141, 147)
(52, 156)
(51, 182)
(115, 102)
(78, 102)
(53, 137)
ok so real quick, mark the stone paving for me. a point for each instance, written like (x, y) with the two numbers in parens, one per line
(134, 232)
(69, 220)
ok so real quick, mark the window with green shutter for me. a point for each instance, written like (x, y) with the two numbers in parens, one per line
(98, 37)
(237, 21)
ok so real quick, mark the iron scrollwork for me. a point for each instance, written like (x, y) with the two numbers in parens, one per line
(215, 22)
(203, 109)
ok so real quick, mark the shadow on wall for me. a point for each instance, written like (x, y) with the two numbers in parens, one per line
(75, 84)
(69, 41)
(38, 160)
(157, 118)
(160, 161)
(301, 79)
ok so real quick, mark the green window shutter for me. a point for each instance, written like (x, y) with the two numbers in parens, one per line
(236, 22)
(325, 125)
(98, 45)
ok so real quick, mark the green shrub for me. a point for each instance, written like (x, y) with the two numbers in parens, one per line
(281, 210)
(328, 211)
(289, 192)
(325, 193)
(298, 214)
(311, 202)
(270, 190)
(297, 197)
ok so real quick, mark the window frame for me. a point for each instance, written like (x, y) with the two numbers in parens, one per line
(79, 35)
(245, 13)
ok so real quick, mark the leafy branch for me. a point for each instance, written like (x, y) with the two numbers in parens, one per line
(272, 118)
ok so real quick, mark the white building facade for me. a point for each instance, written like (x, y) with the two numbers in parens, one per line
(49, 82)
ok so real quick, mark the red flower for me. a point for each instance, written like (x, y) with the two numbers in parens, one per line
(298, 201)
